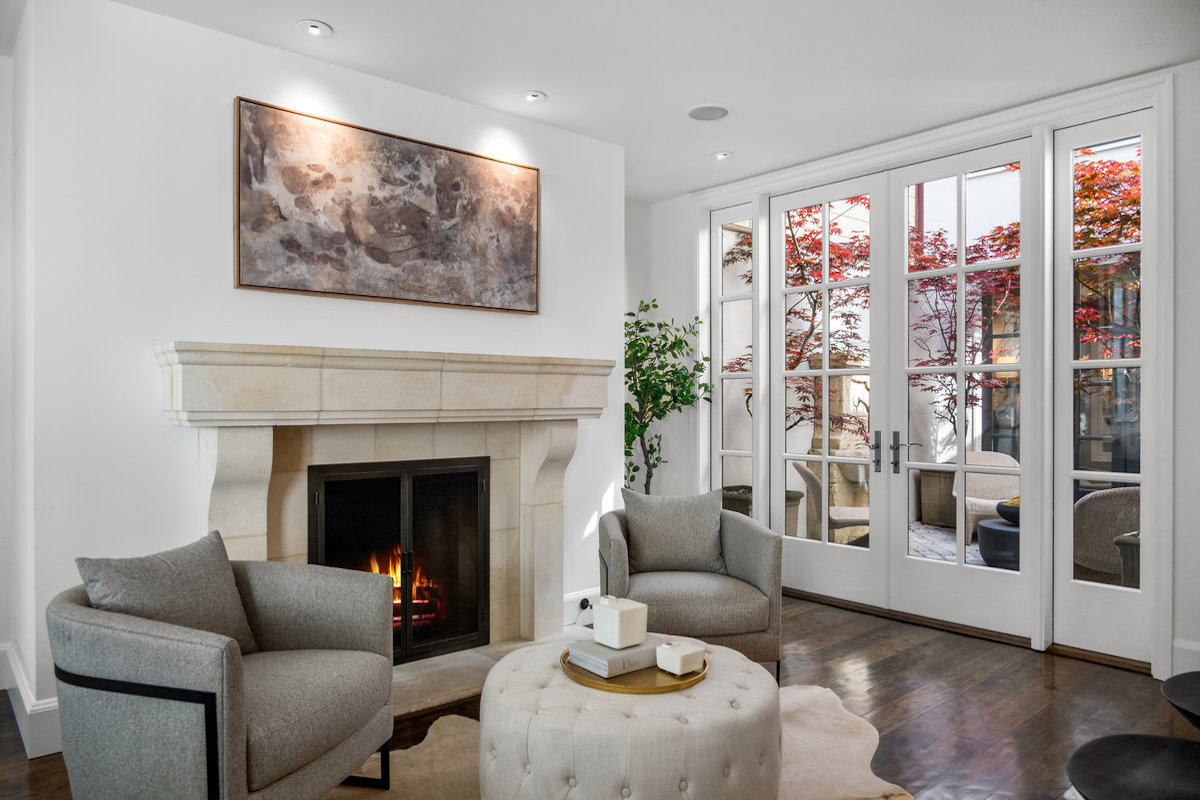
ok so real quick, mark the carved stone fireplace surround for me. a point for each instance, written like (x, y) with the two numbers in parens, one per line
(264, 413)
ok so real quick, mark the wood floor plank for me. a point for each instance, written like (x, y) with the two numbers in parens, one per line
(37, 779)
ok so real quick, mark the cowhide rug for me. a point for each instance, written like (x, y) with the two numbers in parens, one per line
(826, 756)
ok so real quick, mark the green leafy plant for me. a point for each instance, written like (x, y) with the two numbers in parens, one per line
(662, 375)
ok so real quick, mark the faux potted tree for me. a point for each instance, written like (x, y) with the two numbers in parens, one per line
(662, 375)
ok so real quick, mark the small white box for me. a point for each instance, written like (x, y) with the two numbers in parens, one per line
(619, 622)
(680, 658)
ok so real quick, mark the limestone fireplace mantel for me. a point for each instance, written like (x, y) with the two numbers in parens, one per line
(236, 395)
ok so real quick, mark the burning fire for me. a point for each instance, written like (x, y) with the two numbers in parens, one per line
(425, 593)
(393, 569)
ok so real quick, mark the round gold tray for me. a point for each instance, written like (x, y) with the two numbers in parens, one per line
(650, 680)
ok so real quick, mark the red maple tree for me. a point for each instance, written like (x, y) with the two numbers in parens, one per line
(804, 322)
(1106, 308)
(1108, 211)
(990, 297)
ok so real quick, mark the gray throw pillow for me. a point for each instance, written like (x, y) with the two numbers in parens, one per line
(192, 586)
(674, 533)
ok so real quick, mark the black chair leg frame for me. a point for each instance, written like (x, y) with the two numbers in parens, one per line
(384, 781)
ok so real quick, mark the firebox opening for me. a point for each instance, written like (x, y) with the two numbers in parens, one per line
(424, 523)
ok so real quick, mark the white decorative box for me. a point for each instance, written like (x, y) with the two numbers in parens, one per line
(619, 622)
(680, 658)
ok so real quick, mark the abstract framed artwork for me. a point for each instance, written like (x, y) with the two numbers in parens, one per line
(325, 207)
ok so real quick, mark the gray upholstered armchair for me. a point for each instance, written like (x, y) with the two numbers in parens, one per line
(1102, 518)
(155, 709)
(739, 608)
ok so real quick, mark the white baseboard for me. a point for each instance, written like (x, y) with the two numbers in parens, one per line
(572, 614)
(1186, 657)
(37, 720)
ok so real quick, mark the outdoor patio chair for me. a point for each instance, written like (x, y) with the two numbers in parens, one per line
(985, 490)
(1100, 517)
(839, 516)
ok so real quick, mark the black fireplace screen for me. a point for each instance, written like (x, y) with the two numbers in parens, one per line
(425, 523)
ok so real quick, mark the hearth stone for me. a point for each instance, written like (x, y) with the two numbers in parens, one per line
(438, 681)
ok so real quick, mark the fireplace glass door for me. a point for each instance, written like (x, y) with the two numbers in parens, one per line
(424, 523)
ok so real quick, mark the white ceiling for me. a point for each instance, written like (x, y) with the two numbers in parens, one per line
(802, 79)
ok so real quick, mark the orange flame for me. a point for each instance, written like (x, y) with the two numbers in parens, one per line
(421, 584)
(420, 581)
(393, 569)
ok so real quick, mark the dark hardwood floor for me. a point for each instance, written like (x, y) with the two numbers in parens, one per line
(41, 778)
(962, 718)
(959, 718)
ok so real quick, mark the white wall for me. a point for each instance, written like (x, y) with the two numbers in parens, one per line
(674, 250)
(674, 224)
(1187, 368)
(7, 603)
(131, 244)
(24, 615)
(653, 270)
(638, 266)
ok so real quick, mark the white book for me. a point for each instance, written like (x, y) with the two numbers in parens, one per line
(608, 662)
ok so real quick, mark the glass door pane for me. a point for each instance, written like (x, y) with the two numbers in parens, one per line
(733, 395)
(1106, 377)
(826, 343)
(964, 366)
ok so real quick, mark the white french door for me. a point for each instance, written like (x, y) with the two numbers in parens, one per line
(963, 381)
(935, 376)
(1105, 375)
(828, 281)
(895, 382)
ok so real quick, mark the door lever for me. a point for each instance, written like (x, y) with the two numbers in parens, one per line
(895, 448)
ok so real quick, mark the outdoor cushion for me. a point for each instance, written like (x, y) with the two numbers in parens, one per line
(294, 713)
(699, 603)
(674, 533)
(192, 586)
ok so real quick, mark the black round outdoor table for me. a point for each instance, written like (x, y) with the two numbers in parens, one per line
(1133, 766)
(999, 543)
(1183, 692)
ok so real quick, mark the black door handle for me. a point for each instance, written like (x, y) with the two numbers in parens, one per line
(895, 448)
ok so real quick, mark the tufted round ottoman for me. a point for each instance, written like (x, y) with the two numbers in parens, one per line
(544, 736)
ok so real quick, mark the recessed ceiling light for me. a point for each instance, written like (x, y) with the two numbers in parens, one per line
(721, 155)
(533, 96)
(316, 28)
(707, 112)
